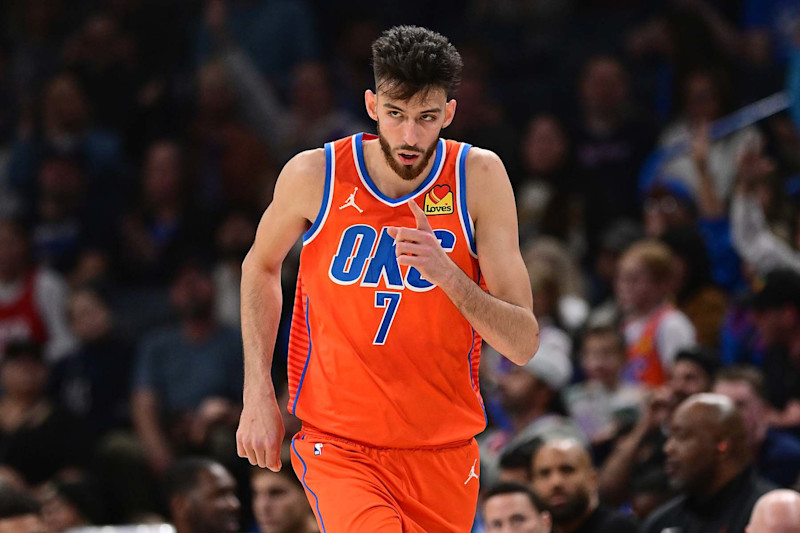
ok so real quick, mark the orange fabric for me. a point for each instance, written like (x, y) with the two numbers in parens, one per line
(644, 361)
(374, 355)
(354, 488)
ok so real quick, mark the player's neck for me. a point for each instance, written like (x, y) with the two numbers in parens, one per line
(385, 178)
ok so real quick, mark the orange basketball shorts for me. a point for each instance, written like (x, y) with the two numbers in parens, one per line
(355, 488)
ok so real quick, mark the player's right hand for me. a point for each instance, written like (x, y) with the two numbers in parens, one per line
(261, 432)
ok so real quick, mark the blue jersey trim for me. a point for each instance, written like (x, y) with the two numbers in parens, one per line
(466, 220)
(472, 380)
(327, 196)
(305, 367)
(432, 175)
(303, 480)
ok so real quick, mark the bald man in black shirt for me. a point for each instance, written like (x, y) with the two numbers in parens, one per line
(709, 462)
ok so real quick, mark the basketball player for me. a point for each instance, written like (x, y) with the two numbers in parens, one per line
(400, 232)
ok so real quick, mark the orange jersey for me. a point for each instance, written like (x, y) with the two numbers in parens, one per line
(377, 354)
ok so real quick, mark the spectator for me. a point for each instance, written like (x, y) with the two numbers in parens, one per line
(68, 131)
(654, 330)
(547, 295)
(751, 235)
(777, 315)
(695, 293)
(512, 507)
(776, 454)
(32, 300)
(777, 511)
(229, 164)
(37, 438)
(549, 254)
(565, 483)
(19, 512)
(546, 199)
(613, 242)
(515, 463)
(703, 102)
(68, 505)
(279, 503)
(158, 233)
(93, 383)
(188, 379)
(692, 374)
(603, 404)
(611, 142)
(649, 492)
(709, 462)
(201, 495)
(278, 34)
(637, 455)
(530, 397)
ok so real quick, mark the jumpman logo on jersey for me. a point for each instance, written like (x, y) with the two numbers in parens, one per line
(351, 202)
(472, 473)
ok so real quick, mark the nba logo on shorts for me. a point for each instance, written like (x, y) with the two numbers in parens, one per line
(439, 201)
(317, 448)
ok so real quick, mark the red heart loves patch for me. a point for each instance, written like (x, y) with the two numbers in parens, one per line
(438, 192)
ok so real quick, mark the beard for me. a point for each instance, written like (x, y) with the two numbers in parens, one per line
(571, 509)
(407, 172)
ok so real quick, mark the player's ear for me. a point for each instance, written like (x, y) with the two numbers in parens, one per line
(371, 102)
(449, 112)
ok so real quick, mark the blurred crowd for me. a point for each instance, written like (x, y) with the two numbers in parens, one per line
(140, 141)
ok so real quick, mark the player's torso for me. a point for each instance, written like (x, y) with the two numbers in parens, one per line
(378, 354)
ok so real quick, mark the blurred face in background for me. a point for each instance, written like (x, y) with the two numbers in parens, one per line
(214, 97)
(604, 87)
(24, 377)
(514, 513)
(90, 317)
(65, 107)
(603, 358)
(193, 294)
(13, 251)
(234, 237)
(776, 324)
(702, 100)
(279, 504)
(753, 409)
(663, 211)
(163, 174)
(60, 189)
(311, 90)
(545, 146)
(688, 378)
(635, 288)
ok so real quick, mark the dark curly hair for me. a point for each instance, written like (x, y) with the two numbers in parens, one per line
(409, 60)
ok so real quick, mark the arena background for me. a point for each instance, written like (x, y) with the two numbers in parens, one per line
(140, 141)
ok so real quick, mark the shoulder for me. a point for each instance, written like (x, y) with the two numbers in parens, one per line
(301, 182)
(487, 184)
(676, 320)
(307, 167)
(483, 162)
(47, 281)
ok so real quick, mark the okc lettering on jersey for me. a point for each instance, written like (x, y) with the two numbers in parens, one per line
(359, 259)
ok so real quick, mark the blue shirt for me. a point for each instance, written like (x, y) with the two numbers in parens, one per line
(183, 374)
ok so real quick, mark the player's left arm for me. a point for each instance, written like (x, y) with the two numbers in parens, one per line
(503, 316)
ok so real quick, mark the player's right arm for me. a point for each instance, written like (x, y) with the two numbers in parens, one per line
(295, 204)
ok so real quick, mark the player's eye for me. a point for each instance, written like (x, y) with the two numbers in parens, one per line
(393, 113)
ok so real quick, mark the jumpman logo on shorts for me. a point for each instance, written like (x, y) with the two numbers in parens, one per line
(472, 473)
(351, 202)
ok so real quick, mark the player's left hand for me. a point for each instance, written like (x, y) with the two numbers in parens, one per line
(420, 248)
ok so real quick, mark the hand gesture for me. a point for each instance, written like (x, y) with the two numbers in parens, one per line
(419, 247)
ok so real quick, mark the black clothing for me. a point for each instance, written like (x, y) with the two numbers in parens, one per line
(605, 520)
(727, 511)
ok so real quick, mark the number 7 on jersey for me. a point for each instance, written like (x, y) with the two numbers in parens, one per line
(389, 301)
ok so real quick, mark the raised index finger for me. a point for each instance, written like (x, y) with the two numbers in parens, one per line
(422, 220)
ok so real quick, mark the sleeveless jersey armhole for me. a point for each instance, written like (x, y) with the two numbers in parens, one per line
(461, 198)
(327, 195)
